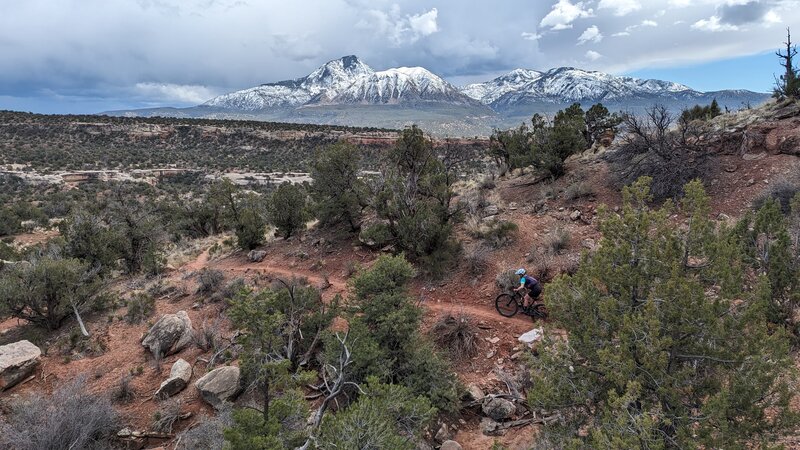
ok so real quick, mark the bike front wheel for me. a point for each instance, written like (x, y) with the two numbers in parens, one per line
(540, 311)
(506, 305)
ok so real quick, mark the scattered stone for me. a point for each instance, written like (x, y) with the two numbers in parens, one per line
(17, 361)
(179, 377)
(560, 208)
(498, 408)
(256, 256)
(753, 156)
(751, 181)
(443, 434)
(723, 217)
(512, 206)
(475, 393)
(219, 385)
(731, 168)
(171, 334)
(490, 354)
(493, 340)
(491, 428)
(575, 215)
(516, 355)
(450, 445)
(589, 244)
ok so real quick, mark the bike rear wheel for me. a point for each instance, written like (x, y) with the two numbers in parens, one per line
(506, 305)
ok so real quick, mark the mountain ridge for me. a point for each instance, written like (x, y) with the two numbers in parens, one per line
(347, 91)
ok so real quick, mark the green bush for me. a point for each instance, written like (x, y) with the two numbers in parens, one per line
(140, 307)
(339, 193)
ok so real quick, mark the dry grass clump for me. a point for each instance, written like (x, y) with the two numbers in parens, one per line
(783, 190)
(457, 334)
(164, 419)
(476, 258)
(140, 307)
(557, 240)
(209, 280)
(124, 392)
(578, 190)
(507, 280)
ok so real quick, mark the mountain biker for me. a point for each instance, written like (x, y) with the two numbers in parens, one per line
(531, 284)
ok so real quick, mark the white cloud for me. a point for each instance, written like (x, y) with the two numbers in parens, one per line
(713, 24)
(649, 23)
(771, 17)
(564, 13)
(680, 3)
(398, 28)
(592, 55)
(620, 7)
(424, 24)
(531, 36)
(621, 33)
(591, 34)
(183, 93)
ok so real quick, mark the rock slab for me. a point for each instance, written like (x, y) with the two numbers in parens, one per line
(171, 334)
(179, 377)
(17, 361)
(219, 385)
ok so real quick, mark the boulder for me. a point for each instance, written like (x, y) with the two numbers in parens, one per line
(179, 377)
(450, 445)
(171, 334)
(219, 385)
(498, 408)
(475, 393)
(531, 336)
(256, 256)
(17, 361)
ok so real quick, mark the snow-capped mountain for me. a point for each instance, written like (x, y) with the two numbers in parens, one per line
(322, 84)
(567, 84)
(490, 91)
(401, 85)
(346, 91)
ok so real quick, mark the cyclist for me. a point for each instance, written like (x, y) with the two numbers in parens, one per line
(531, 284)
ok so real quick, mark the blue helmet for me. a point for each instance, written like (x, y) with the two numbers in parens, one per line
(520, 272)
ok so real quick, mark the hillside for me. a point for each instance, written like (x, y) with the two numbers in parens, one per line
(752, 154)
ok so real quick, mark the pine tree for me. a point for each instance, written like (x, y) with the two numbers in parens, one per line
(658, 356)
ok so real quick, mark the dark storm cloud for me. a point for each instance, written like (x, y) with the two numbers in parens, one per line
(150, 52)
(744, 13)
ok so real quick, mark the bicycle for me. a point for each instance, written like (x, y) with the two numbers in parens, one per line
(508, 303)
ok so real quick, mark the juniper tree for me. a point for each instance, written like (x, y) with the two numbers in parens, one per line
(339, 192)
(658, 355)
(287, 209)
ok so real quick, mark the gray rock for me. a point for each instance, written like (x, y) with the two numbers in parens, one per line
(450, 445)
(491, 210)
(498, 408)
(490, 427)
(179, 377)
(219, 385)
(256, 255)
(475, 393)
(17, 361)
(171, 334)
(443, 434)
(575, 215)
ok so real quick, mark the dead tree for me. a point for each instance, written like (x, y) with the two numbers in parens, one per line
(788, 85)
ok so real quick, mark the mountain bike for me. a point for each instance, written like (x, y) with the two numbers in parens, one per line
(509, 303)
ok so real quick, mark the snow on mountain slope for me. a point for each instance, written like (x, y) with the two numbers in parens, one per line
(324, 82)
(567, 84)
(400, 85)
(490, 91)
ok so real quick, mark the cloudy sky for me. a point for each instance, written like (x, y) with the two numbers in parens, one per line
(95, 55)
